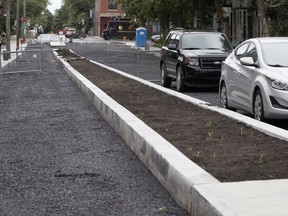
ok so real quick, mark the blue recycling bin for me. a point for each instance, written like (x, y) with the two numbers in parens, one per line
(141, 37)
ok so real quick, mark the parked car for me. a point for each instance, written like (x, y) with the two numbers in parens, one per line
(156, 38)
(69, 32)
(254, 78)
(193, 58)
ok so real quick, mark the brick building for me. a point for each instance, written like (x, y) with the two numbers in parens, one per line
(104, 11)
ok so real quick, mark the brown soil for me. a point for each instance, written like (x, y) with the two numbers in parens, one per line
(227, 149)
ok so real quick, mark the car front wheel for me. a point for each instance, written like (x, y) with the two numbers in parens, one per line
(258, 106)
(180, 86)
(165, 81)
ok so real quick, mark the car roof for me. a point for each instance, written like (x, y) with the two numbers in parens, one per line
(194, 31)
(269, 39)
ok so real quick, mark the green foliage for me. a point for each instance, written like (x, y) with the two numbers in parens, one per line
(277, 10)
(34, 12)
(171, 13)
(74, 13)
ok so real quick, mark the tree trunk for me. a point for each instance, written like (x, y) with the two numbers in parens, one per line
(201, 13)
(263, 26)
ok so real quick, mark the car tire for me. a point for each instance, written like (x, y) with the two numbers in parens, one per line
(108, 37)
(180, 86)
(258, 108)
(132, 37)
(165, 81)
(224, 97)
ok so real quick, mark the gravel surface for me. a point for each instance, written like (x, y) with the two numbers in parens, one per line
(59, 157)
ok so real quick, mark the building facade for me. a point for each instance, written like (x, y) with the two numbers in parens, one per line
(241, 20)
(103, 12)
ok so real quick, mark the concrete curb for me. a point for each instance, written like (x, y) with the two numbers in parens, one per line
(166, 162)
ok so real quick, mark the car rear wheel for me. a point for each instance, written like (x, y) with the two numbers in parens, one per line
(258, 106)
(223, 96)
(108, 37)
(180, 86)
(165, 81)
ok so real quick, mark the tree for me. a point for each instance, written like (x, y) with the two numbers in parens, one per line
(74, 13)
(276, 16)
(171, 13)
(263, 26)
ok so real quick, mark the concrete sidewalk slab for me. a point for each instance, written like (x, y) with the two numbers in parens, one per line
(251, 198)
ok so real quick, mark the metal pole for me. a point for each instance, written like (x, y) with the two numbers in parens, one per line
(24, 15)
(8, 34)
(17, 25)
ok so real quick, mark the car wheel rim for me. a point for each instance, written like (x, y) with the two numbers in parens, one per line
(223, 97)
(258, 108)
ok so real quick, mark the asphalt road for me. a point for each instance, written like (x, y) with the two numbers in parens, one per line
(141, 64)
(59, 157)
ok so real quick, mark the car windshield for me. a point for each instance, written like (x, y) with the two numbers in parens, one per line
(275, 54)
(206, 41)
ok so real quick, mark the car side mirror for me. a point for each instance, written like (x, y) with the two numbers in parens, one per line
(172, 46)
(248, 61)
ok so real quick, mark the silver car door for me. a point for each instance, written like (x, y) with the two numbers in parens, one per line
(246, 77)
(234, 77)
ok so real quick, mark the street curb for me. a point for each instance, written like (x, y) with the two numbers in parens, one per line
(174, 170)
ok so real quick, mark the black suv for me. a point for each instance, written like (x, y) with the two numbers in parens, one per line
(193, 58)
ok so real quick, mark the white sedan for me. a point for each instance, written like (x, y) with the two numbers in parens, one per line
(254, 78)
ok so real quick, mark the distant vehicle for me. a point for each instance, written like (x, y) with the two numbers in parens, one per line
(193, 58)
(119, 29)
(69, 31)
(254, 78)
(156, 38)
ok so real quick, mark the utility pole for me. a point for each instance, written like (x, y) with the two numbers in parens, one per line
(25, 24)
(8, 47)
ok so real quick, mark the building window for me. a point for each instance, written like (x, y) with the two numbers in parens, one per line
(112, 5)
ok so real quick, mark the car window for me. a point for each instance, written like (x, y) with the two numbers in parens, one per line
(167, 39)
(240, 51)
(252, 52)
(174, 39)
(177, 40)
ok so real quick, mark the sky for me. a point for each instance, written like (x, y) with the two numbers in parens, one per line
(55, 4)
